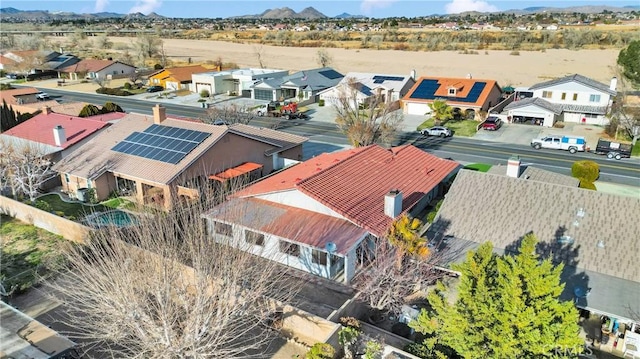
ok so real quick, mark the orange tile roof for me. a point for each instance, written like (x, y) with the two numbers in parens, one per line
(354, 182)
(181, 74)
(461, 85)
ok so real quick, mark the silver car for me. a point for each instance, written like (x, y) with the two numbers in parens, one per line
(436, 131)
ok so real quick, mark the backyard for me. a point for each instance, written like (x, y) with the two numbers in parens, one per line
(466, 128)
(71, 210)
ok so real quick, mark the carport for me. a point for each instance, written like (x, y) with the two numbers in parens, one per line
(535, 111)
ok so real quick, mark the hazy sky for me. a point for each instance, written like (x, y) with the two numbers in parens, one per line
(372, 8)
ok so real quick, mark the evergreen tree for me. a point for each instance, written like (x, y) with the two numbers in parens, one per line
(628, 60)
(506, 307)
(111, 107)
(89, 110)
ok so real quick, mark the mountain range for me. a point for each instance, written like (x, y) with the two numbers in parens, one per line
(281, 13)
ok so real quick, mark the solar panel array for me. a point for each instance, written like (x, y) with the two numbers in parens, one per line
(378, 79)
(331, 74)
(161, 143)
(427, 88)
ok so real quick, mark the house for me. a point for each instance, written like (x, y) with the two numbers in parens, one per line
(534, 109)
(97, 69)
(594, 234)
(6, 63)
(467, 96)
(24, 100)
(175, 78)
(363, 86)
(28, 61)
(302, 85)
(237, 82)
(318, 215)
(161, 160)
(582, 99)
(60, 62)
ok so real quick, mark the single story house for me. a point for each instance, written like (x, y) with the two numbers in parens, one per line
(301, 86)
(237, 82)
(161, 160)
(534, 109)
(97, 69)
(360, 87)
(598, 246)
(175, 78)
(6, 63)
(467, 96)
(318, 216)
(24, 99)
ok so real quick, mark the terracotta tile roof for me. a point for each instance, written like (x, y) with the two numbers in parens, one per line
(40, 129)
(297, 225)
(515, 207)
(181, 74)
(469, 92)
(10, 95)
(96, 157)
(353, 183)
(281, 140)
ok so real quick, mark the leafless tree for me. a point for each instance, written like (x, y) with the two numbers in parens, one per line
(100, 81)
(28, 167)
(259, 52)
(147, 46)
(103, 42)
(624, 116)
(172, 287)
(369, 120)
(134, 77)
(323, 58)
(228, 115)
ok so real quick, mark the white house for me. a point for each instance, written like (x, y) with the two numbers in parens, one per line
(233, 81)
(582, 99)
(302, 85)
(534, 109)
(98, 69)
(366, 85)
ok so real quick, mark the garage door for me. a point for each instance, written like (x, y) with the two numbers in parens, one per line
(263, 95)
(417, 108)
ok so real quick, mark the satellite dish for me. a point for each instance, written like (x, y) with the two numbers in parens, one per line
(331, 247)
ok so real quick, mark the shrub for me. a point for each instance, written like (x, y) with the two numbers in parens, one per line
(204, 93)
(558, 125)
(321, 102)
(202, 100)
(127, 86)
(45, 206)
(431, 216)
(587, 185)
(59, 213)
(157, 67)
(113, 92)
(321, 351)
(350, 322)
(586, 171)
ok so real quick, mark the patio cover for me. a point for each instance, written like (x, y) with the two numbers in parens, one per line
(235, 171)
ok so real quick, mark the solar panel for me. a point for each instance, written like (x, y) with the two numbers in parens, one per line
(331, 74)
(427, 88)
(386, 78)
(161, 143)
(378, 81)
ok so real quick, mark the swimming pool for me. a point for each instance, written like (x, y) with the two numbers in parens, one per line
(112, 218)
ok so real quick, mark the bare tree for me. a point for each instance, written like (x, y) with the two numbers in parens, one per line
(369, 120)
(100, 81)
(377, 41)
(170, 287)
(259, 52)
(624, 116)
(228, 115)
(103, 41)
(323, 58)
(134, 77)
(147, 46)
(28, 167)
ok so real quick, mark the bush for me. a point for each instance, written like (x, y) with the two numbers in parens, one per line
(127, 86)
(587, 171)
(431, 216)
(587, 185)
(558, 125)
(59, 213)
(321, 351)
(321, 102)
(113, 92)
(204, 93)
(157, 67)
(45, 206)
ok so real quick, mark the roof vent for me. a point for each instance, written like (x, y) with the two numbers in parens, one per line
(566, 240)
(581, 213)
(600, 244)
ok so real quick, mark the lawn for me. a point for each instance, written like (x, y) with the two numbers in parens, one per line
(119, 202)
(29, 254)
(466, 128)
(74, 210)
(480, 167)
(635, 150)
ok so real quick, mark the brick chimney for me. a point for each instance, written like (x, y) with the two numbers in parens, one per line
(59, 136)
(393, 203)
(46, 110)
(159, 114)
(513, 167)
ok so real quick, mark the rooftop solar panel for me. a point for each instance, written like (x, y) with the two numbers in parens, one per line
(386, 78)
(161, 143)
(331, 74)
(427, 88)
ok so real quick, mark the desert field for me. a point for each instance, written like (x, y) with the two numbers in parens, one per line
(525, 69)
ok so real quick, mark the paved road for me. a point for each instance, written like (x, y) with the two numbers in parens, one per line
(626, 171)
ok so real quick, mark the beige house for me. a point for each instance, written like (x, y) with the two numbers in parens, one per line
(160, 160)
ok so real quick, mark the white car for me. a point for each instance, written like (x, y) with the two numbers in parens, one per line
(437, 131)
(42, 96)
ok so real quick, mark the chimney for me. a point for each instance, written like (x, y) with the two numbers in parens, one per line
(469, 76)
(413, 74)
(46, 110)
(159, 114)
(59, 136)
(614, 84)
(393, 203)
(61, 50)
(513, 167)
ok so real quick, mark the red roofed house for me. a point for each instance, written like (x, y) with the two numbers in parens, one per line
(316, 215)
(6, 62)
(97, 69)
(467, 96)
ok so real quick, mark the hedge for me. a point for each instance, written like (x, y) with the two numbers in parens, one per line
(114, 92)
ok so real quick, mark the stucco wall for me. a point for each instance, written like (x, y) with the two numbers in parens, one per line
(307, 328)
(67, 229)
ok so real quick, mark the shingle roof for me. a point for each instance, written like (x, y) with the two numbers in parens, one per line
(183, 73)
(40, 128)
(600, 110)
(281, 140)
(314, 79)
(10, 95)
(353, 183)
(89, 65)
(470, 92)
(576, 78)
(515, 207)
(536, 101)
(299, 225)
(537, 174)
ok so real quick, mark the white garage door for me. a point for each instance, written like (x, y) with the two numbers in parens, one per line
(417, 108)
(572, 117)
(201, 86)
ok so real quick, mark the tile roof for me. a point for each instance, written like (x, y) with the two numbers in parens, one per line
(298, 225)
(94, 158)
(469, 92)
(575, 78)
(516, 207)
(10, 95)
(182, 73)
(89, 65)
(281, 140)
(535, 101)
(40, 128)
(353, 182)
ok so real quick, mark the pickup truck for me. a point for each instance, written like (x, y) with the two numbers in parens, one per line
(613, 149)
(567, 143)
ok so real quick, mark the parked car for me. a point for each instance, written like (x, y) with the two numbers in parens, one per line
(568, 143)
(155, 88)
(42, 96)
(492, 123)
(11, 76)
(436, 131)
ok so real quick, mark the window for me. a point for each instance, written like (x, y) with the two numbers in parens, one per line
(452, 92)
(575, 97)
(591, 115)
(564, 95)
(594, 98)
(291, 249)
(319, 257)
(556, 141)
(254, 237)
(546, 94)
(223, 228)
(66, 178)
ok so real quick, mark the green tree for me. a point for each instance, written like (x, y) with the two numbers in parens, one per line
(587, 172)
(441, 111)
(629, 60)
(506, 307)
